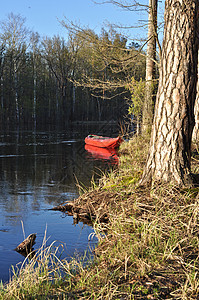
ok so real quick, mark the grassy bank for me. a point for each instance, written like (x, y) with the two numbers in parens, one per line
(148, 246)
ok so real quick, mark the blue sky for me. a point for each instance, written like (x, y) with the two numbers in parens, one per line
(42, 15)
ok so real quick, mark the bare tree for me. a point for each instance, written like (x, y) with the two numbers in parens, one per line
(14, 35)
(151, 61)
(34, 39)
(57, 57)
(110, 62)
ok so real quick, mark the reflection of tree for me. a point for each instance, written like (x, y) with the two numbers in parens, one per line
(40, 169)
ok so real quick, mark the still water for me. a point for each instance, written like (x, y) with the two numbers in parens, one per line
(39, 170)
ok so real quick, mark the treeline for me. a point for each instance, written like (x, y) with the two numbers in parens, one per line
(57, 80)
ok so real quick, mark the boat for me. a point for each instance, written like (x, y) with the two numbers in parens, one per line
(103, 142)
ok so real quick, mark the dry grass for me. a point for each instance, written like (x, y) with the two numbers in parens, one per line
(39, 277)
(151, 247)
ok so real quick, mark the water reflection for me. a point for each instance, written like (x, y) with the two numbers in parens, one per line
(103, 154)
(39, 171)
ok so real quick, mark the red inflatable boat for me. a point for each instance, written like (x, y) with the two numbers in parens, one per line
(103, 142)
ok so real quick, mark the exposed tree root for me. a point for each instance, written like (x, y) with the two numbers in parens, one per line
(91, 206)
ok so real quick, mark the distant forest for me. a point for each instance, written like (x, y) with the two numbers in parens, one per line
(82, 77)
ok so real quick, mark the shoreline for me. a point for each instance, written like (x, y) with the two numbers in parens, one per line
(148, 242)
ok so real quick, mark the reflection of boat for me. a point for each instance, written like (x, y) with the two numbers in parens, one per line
(103, 153)
(103, 142)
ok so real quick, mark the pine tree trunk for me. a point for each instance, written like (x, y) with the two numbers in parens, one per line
(170, 148)
(195, 136)
(148, 107)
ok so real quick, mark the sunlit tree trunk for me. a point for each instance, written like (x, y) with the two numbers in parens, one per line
(16, 92)
(170, 148)
(150, 67)
(34, 86)
(195, 136)
(2, 59)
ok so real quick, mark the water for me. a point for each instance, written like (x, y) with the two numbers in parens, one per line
(37, 172)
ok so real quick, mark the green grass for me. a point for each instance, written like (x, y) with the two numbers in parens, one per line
(147, 250)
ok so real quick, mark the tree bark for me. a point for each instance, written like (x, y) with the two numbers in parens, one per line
(148, 107)
(195, 135)
(170, 148)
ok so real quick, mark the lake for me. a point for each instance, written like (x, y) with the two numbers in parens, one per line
(39, 170)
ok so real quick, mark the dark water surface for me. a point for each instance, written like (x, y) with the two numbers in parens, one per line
(39, 170)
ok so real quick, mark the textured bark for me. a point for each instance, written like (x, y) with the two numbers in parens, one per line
(170, 149)
(195, 136)
(150, 67)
